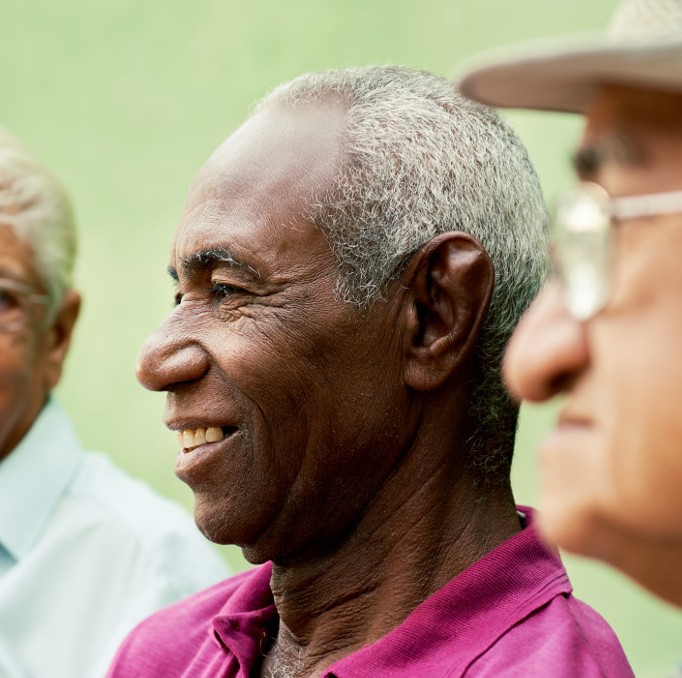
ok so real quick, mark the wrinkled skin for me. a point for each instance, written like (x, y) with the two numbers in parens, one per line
(342, 455)
(273, 354)
(30, 358)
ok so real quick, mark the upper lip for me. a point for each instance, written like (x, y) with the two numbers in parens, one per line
(568, 417)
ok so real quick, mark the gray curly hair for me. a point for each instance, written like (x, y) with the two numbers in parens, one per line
(419, 160)
(34, 204)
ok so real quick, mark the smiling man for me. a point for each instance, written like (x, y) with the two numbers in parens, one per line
(348, 267)
(605, 332)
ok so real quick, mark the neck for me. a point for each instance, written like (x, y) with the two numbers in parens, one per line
(408, 544)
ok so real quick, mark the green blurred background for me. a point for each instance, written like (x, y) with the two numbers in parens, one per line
(124, 99)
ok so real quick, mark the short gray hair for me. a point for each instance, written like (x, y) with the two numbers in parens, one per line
(419, 160)
(35, 205)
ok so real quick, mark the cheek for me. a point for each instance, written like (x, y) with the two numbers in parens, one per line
(634, 382)
(21, 389)
(646, 433)
(639, 412)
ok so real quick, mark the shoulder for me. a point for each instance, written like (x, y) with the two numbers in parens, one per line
(176, 635)
(105, 503)
(564, 638)
(194, 613)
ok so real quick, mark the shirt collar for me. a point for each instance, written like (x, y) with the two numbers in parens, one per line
(34, 477)
(474, 609)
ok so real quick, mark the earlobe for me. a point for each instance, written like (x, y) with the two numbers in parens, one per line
(450, 281)
(58, 336)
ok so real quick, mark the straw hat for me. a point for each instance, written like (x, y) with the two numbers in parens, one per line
(642, 47)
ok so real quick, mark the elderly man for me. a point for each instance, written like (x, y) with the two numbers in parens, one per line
(605, 332)
(348, 267)
(85, 551)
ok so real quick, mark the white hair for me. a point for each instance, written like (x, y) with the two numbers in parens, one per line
(419, 160)
(34, 204)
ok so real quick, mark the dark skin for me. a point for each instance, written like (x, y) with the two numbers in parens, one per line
(333, 606)
(343, 457)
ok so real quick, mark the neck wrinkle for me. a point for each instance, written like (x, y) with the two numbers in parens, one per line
(400, 553)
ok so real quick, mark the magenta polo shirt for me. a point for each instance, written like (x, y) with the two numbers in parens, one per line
(511, 613)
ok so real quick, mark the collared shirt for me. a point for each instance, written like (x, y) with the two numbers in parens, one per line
(511, 613)
(85, 553)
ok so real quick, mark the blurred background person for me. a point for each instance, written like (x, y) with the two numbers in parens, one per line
(605, 332)
(85, 550)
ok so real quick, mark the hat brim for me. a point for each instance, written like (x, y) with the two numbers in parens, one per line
(566, 77)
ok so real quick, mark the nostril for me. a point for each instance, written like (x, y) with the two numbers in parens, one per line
(560, 383)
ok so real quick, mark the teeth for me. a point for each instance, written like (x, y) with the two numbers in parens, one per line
(188, 439)
(191, 438)
(214, 434)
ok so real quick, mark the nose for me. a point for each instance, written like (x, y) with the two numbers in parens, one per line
(548, 350)
(170, 357)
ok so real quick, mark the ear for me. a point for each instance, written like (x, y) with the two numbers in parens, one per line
(58, 337)
(450, 281)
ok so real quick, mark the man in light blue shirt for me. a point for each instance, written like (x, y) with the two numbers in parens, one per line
(85, 551)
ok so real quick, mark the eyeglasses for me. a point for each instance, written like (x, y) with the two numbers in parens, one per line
(582, 234)
(16, 298)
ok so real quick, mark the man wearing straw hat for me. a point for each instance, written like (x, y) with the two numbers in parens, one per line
(605, 332)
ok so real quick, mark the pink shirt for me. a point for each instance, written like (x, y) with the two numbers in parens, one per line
(512, 613)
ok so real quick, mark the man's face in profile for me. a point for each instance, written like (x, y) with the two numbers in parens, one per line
(301, 389)
(613, 463)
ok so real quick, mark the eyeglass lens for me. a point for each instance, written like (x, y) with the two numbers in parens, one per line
(581, 238)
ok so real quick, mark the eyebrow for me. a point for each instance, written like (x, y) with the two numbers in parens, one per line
(621, 149)
(206, 260)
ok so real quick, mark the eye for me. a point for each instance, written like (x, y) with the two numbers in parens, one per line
(8, 300)
(224, 291)
(177, 298)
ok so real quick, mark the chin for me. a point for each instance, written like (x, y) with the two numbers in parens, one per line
(217, 525)
(570, 527)
(228, 527)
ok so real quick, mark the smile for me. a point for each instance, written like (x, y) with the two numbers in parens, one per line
(191, 438)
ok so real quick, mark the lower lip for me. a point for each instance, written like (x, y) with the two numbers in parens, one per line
(190, 464)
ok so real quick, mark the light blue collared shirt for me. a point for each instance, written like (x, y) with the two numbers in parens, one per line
(86, 552)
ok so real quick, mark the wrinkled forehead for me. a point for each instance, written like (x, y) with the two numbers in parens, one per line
(262, 178)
